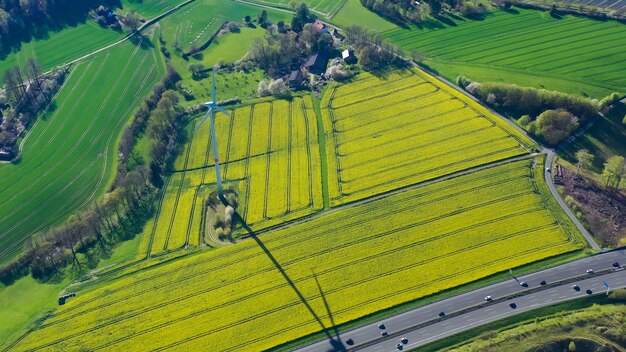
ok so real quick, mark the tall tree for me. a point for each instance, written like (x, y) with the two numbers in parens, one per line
(584, 158)
(33, 71)
(614, 171)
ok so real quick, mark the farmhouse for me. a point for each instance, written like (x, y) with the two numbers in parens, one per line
(296, 78)
(319, 27)
(105, 16)
(348, 56)
(316, 63)
(340, 37)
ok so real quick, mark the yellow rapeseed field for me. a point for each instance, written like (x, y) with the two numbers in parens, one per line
(407, 127)
(365, 258)
(271, 147)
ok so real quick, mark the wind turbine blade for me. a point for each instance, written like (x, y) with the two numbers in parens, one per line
(214, 94)
(223, 111)
(203, 119)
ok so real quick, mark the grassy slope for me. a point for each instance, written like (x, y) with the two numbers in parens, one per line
(70, 154)
(353, 13)
(326, 8)
(605, 138)
(61, 47)
(227, 48)
(21, 302)
(526, 47)
(230, 47)
(550, 324)
(148, 8)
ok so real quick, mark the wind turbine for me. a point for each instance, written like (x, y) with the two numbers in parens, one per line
(212, 105)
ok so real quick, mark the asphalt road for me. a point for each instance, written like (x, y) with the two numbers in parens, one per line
(416, 320)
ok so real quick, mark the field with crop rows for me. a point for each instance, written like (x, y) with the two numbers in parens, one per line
(69, 155)
(272, 147)
(390, 132)
(606, 4)
(359, 260)
(61, 47)
(585, 55)
(328, 8)
(149, 8)
(194, 24)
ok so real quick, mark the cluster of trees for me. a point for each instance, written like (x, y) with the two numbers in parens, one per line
(129, 158)
(26, 93)
(87, 236)
(549, 115)
(552, 126)
(281, 51)
(22, 19)
(614, 171)
(276, 87)
(372, 50)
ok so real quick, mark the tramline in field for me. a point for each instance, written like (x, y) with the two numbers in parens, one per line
(406, 128)
(365, 258)
(270, 156)
(70, 153)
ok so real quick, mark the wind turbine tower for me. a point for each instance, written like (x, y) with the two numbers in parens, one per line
(212, 105)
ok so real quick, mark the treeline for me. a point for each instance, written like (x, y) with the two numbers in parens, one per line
(372, 50)
(282, 51)
(26, 93)
(91, 234)
(21, 20)
(549, 115)
(411, 11)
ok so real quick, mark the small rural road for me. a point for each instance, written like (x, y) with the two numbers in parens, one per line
(468, 310)
(550, 154)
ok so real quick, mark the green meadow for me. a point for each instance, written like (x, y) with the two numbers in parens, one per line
(70, 154)
(58, 48)
(527, 47)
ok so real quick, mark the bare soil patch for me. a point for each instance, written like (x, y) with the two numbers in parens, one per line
(604, 210)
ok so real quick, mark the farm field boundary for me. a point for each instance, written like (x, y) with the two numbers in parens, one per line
(465, 217)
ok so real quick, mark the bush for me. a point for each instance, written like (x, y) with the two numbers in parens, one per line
(624, 120)
(525, 100)
(463, 81)
(276, 87)
(473, 87)
(553, 126)
(233, 27)
(524, 120)
(610, 99)
(338, 73)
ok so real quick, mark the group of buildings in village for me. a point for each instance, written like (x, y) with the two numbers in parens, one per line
(316, 62)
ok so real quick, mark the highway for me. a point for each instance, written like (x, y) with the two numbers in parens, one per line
(465, 311)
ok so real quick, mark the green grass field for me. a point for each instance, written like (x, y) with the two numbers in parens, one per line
(227, 48)
(386, 133)
(326, 8)
(217, 300)
(62, 47)
(353, 13)
(605, 138)
(573, 54)
(194, 24)
(148, 8)
(70, 154)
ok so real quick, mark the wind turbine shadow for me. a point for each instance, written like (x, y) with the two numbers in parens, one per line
(336, 344)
